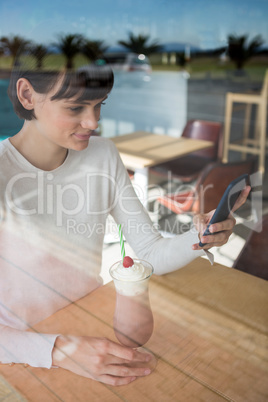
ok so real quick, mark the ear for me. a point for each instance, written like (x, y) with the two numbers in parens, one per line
(25, 93)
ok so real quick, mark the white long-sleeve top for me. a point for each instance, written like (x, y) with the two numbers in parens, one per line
(52, 226)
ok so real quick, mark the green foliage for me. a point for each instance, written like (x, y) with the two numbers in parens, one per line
(15, 46)
(212, 68)
(77, 50)
(39, 52)
(51, 61)
(139, 44)
(240, 50)
(69, 45)
(181, 59)
(93, 50)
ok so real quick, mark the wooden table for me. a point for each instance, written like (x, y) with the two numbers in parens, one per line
(141, 150)
(210, 338)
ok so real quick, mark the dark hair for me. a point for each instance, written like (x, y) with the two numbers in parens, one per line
(86, 83)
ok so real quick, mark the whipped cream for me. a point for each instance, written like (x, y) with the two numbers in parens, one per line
(132, 280)
(132, 274)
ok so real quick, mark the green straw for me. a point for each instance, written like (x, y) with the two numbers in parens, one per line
(122, 246)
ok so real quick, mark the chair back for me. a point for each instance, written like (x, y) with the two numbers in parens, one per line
(205, 130)
(264, 91)
(253, 258)
(214, 180)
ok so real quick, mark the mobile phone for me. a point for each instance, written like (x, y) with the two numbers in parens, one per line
(227, 202)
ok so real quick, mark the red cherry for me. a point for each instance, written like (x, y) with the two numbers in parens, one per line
(127, 262)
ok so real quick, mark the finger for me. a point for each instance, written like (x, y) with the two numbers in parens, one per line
(225, 227)
(127, 353)
(116, 381)
(201, 221)
(114, 360)
(228, 224)
(242, 198)
(125, 371)
(215, 240)
(220, 237)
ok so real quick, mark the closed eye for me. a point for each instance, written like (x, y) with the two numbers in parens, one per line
(76, 109)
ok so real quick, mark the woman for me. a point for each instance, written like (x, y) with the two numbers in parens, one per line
(58, 185)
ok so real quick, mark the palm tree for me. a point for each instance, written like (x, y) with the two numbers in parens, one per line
(39, 52)
(139, 44)
(93, 50)
(69, 45)
(240, 50)
(16, 46)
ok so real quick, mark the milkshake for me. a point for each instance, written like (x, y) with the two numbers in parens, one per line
(133, 319)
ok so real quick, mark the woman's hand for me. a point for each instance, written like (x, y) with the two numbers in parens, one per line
(221, 230)
(99, 359)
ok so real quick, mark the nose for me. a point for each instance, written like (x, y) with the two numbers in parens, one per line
(90, 121)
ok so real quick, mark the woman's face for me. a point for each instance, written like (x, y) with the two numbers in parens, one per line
(66, 122)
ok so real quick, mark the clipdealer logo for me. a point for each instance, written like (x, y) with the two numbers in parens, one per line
(189, 195)
(254, 220)
(45, 196)
(29, 194)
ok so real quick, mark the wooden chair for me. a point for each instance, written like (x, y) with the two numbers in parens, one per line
(256, 145)
(253, 258)
(210, 186)
(187, 168)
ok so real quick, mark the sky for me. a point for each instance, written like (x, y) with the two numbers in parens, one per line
(202, 23)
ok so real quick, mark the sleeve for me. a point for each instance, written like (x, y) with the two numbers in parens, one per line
(165, 254)
(31, 348)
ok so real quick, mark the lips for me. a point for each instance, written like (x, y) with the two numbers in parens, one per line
(83, 137)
